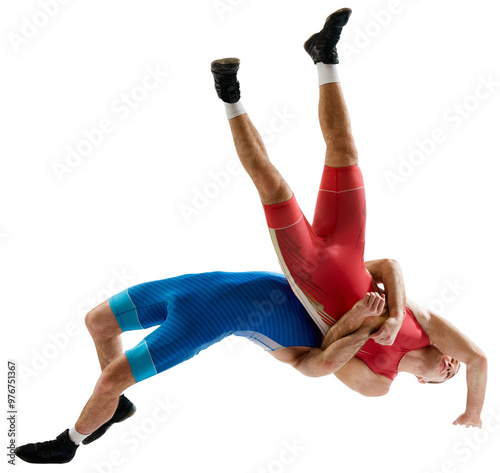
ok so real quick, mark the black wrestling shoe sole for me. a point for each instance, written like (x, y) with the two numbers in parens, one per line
(219, 66)
(337, 15)
(337, 19)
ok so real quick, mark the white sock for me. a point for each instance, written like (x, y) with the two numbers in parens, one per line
(327, 73)
(234, 109)
(75, 436)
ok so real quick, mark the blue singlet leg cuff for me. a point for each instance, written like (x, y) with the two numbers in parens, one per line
(125, 311)
(140, 361)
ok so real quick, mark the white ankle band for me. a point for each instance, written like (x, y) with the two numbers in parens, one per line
(327, 73)
(75, 436)
(234, 109)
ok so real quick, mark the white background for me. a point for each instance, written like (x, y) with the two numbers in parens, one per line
(234, 408)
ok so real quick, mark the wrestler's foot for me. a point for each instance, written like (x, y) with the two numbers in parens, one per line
(374, 322)
(226, 83)
(60, 450)
(124, 410)
(322, 46)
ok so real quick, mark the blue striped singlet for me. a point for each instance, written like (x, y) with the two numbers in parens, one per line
(194, 311)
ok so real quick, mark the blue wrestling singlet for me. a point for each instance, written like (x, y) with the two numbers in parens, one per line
(194, 311)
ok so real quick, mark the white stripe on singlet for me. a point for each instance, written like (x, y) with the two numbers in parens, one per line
(340, 192)
(296, 289)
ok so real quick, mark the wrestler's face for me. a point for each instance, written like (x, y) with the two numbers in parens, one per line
(437, 367)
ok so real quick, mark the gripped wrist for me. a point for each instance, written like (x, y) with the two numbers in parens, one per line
(398, 314)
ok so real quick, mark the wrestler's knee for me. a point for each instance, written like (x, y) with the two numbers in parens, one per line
(341, 151)
(101, 322)
(272, 187)
(91, 322)
(95, 326)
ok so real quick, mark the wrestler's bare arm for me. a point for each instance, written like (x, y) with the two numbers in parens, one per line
(457, 345)
(389, 273)
(355, 374)
(317, 362)
(344, 339)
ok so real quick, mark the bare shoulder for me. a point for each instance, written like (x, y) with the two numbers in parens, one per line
(422, 314)
(357, 376)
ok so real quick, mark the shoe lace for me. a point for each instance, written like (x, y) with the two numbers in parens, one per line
(333, 36)
(227, 81)
(51, 447)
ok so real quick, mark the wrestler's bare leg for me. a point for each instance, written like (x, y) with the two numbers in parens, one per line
(270, 184)
(114, 379)
(336, 127)
(105, 331)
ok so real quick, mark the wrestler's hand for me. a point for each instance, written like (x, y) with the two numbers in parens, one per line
(469, 421)
(388, 332)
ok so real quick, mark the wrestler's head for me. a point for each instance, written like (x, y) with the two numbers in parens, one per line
(435, 366)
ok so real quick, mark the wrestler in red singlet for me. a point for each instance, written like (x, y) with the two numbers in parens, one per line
(383, 359)
(324, 263)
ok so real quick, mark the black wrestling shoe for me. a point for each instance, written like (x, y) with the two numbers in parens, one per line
(60, 450)
(124, 410)
(226, 83)
(322, 46)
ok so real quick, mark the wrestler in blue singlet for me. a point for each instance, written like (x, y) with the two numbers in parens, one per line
(194, 311)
